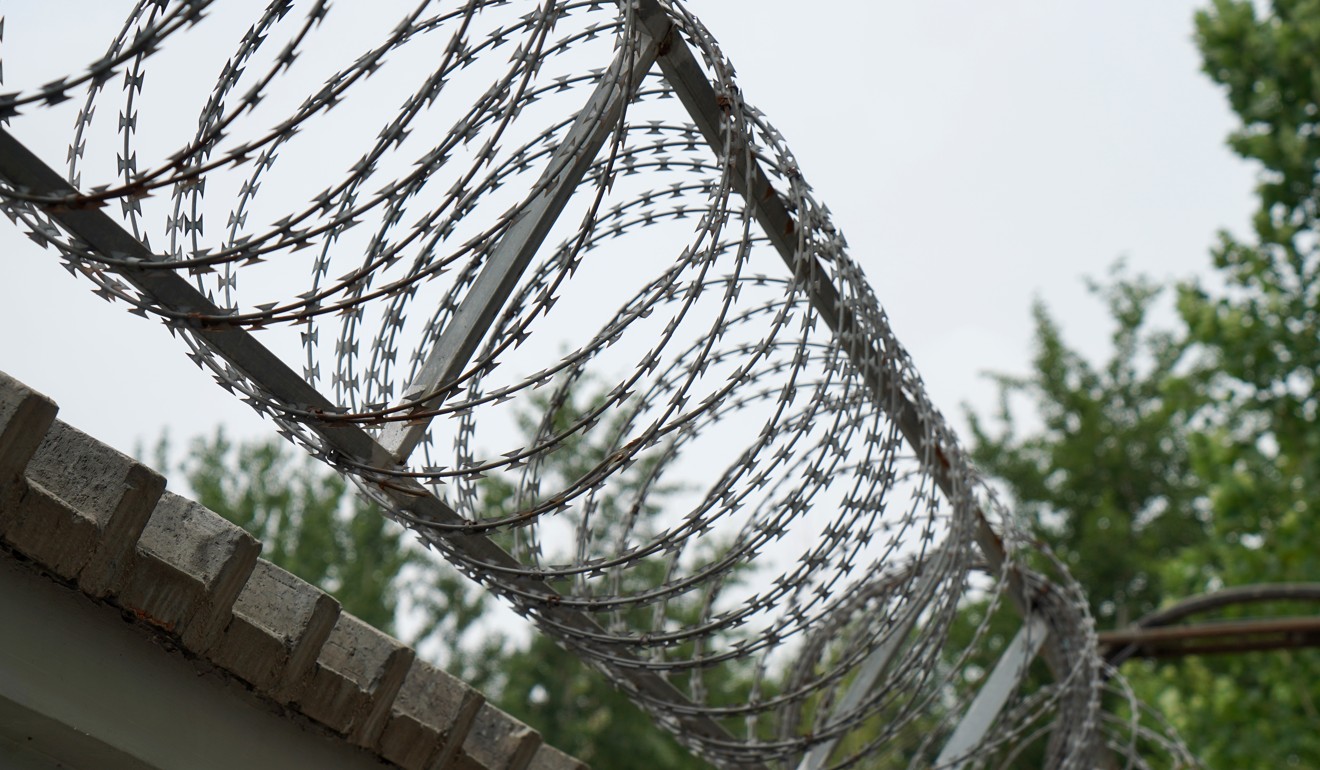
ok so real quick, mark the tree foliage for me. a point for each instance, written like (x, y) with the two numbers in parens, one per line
(1190, 460)
(1106, 478)
(1258, 448)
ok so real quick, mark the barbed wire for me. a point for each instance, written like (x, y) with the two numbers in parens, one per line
(729, 492)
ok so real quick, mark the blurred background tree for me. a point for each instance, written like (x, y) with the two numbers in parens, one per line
(1190, 459)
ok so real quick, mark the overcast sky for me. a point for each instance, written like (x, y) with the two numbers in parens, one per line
(976, 156)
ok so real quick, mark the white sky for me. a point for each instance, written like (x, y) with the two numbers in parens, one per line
(976, 155)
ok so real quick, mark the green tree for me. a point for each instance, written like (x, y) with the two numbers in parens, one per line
(1256, 333)
(1106, 478)
(1100, 468)
(1190, 460)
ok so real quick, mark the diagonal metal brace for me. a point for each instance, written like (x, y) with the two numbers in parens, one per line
(509, 259)
(876, 664)
(1001, 683)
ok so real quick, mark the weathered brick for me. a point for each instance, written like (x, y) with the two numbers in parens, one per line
(50, 532)
(25, 417)
(429, 719)
(91, 515)
(112, 492)
(276, 631)
(190, 566)
(357, 676)
(550, 758)
(497, 741)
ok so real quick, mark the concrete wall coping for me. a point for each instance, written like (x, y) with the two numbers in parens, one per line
(101, 524)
